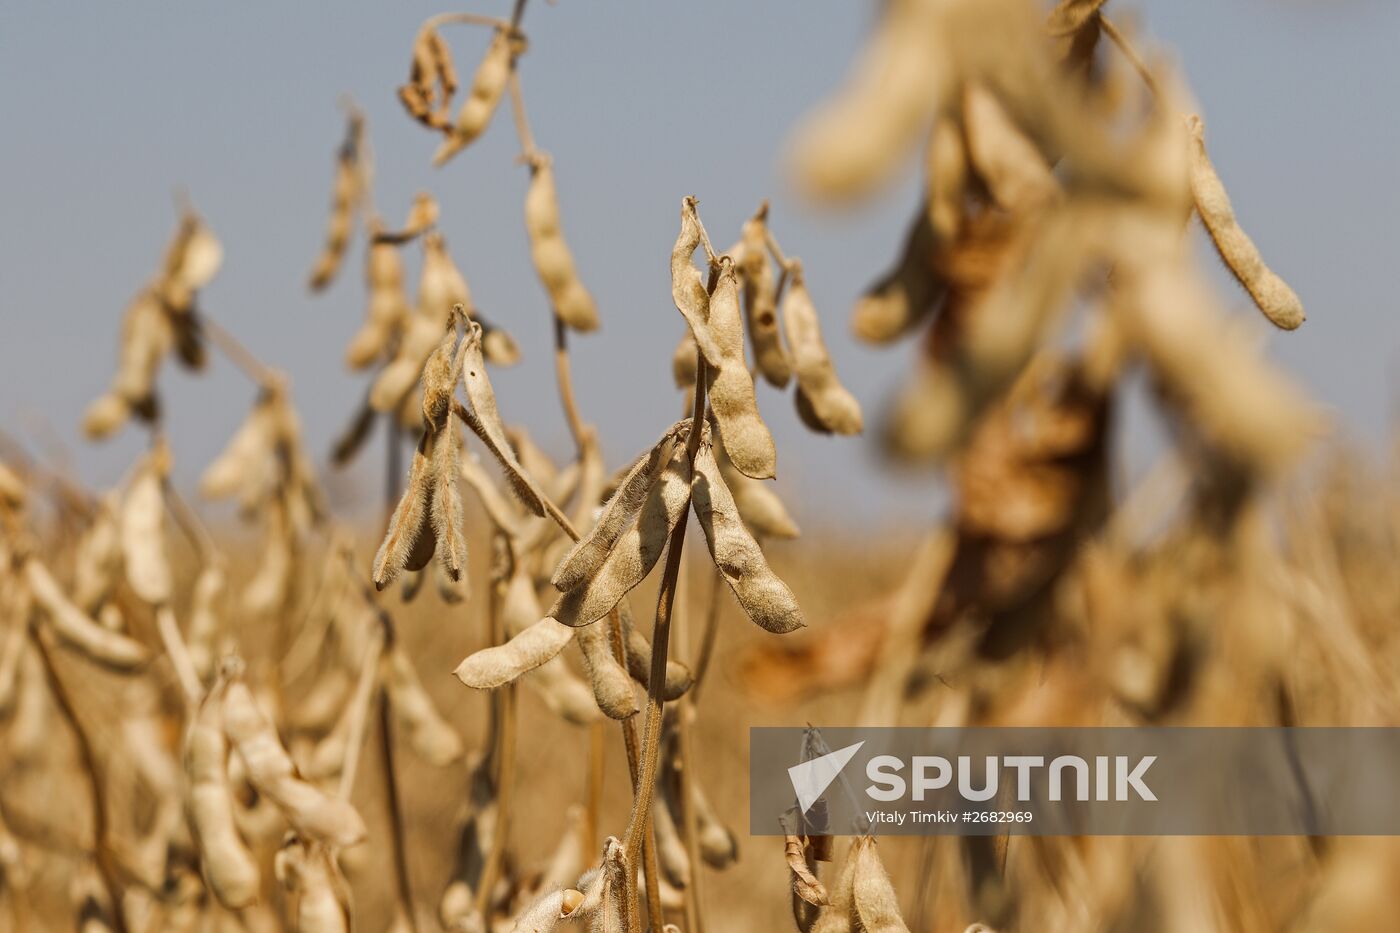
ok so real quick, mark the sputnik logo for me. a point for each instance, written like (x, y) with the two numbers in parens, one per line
(811, 778)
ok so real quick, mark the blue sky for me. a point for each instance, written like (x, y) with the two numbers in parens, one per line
(109, 108)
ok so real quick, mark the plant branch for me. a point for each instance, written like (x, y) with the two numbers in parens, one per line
(1129, 53)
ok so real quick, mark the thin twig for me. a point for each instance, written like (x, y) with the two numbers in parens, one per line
(708, 637)
(359, 715)
(690, 819)
(563, 373)
(661, 637)
(503, 734)
(1129, 53)
(404, 886)
(238, 354)
(528, 152)
(468, 19)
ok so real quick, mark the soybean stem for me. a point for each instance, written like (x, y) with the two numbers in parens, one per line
(404, 887)
(1129, 53)
(661, 637)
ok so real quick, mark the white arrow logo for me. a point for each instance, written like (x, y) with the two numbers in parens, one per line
(811, 778)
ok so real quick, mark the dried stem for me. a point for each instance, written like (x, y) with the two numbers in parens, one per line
(685, 714)
(404, 887)
(564, 376)
(593, 788)
(528, 152)
(661, 638)
(503, 735)
(469, 19)
(1129, 53)
(101, 854)
(359, 722)
(238, 354)
(708, 636)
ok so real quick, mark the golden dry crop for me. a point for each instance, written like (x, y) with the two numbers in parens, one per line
(202, 736)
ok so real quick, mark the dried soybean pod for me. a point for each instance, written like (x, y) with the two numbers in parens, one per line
(502, 514)
(875, 906)
(764, 597)
(636, 551)
(311, 812)
(839, 914)
(204, 615)
(497, 345)
(947, 178)
(103, 646)
(612, 688)
(554, 262)
(586, 556)
(678, 676)
(731, 387)
(805, 883)
(486, 422)
(488, 84)
(143, 530)
(542, 915)
(306, 871)
(761, 300)
(822, 401)
(388, 305)
(687, 288)
(1009, 164)
(858, 141)
(1069, 15)
(670, 848)
(718, 847)
(501, 664)
(229, 867)
(564, 693)
(683, 361)
(759, 506)
(409, 542)
(430, 511)
(349, 189)
(1272, 295)
(98, 564)
(905, 296)
(429, 735)
(441, 285)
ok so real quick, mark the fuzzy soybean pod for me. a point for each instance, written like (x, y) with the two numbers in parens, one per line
(947, 172)
(636, 551)
(388, 305)
(876, 907)
(229, 867)
(306, 871)
(488, 84)
(1273, 296)
(612, 687)
(678, 677)
(823, 402)
(839, 914)
(1008, 162)
(858, 141)
(98, 563)
(429, 734)
(345, 196)
(310, 811)
(688, 290)
(204, 615)
(143, 532)
(563, 693)
(765, 598)
(587, 556)
(759, 506)
(554, 262)
(905, 296)
(761, 301)
(146, 338)
(428, 517)
(731, 386)
(501, 664)
(103, 646)
(485, 421)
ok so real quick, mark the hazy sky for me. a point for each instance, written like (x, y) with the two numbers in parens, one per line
(107, 108)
